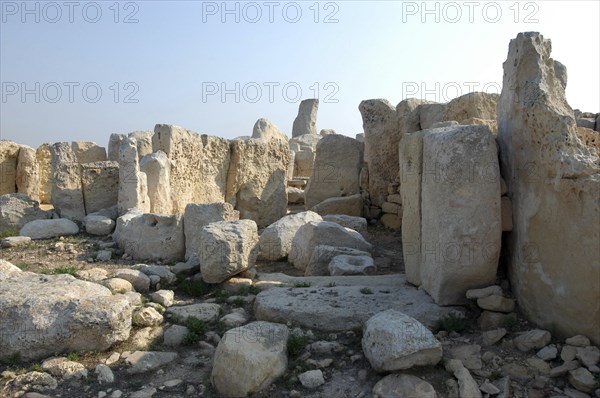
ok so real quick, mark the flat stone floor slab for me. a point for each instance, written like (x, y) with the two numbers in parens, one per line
(339, 308)
(269, 280)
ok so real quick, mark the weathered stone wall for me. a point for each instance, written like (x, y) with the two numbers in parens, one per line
(554, 184)
(88, 152)
(133, 183)
(201, 163)
(9, 152)
(100, 182)
(460, 212)
(28, 176)
(382, 135)
(44, 159)
(67, 195)
(337, 169)
(306, 121)
(256, 184)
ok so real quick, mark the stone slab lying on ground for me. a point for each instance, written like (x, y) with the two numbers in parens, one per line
(344, 307)
(46, 229)
(272, 280)
(47, 314)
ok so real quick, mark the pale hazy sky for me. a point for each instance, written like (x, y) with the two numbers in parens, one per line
(83, 70)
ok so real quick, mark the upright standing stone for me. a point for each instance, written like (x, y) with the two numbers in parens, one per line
(306, 121)
(100, 181)
(227, 248)
(430, 114)
(28, 175)
(461, 224)
(336, 171)
(380, 122)
(114, 143)
(148, 236)
(256, 184)
(553, 182)
(67, 195)
(88, 152)
(143, 140)
(304, 147)
(44, 159)
(411, 172)
(264, 129)
(409, 115)
(9, 152)
(133, 185)
(197, 216)
(157, 167)
(200, 165)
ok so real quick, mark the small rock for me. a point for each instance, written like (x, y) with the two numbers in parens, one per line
(540, 365)
(175, 335)
(516, 372)
(113, 358)
(467, 385)
(564, 368)
(166, 277)
(172, 383)
(571, 393)
(138, 279)
(588, 356)
(311, 379)
(497, 303)
(146, 361)
(92, 275)
(475, 294)
(568, 353)
(548, 353)
(235, 285)
(104, 255)
(105, 374)
(117, 285)
(582, 380)
(578, 341)
(489, 388)
(14, 241)
(206, 312)
(163, 297)
(469, 355)
(65, 369)
(533, 339)
(235, 318)
(116, 394)
(147, 392)
(402, 385)
(147, 316)
(491, 337)
(325, 347)
(39, 381)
